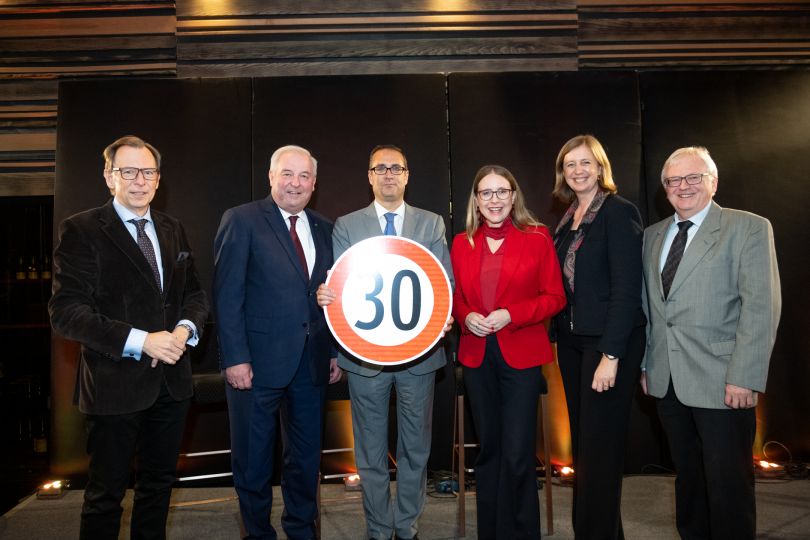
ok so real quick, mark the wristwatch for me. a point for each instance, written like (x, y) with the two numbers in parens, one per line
(189, 328)
(610, 356)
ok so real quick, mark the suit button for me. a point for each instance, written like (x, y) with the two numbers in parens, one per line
(669, 325)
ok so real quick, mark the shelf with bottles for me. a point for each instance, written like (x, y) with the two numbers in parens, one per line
(35, 270)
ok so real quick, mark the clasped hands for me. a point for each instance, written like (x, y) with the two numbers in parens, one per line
(166, 347)
(483, 326)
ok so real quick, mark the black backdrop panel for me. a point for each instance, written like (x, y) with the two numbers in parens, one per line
(340, 119)
(520, 121)
(202, 129)
(755, 124)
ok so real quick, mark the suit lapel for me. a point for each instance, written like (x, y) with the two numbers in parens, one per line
(273, 216)
(321, 246)
(409, 223)
(116, 231)
(704, 239)
(655, 255)
(168, 249)
(473, 268)
(371, 222)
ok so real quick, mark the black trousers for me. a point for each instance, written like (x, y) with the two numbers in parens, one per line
(503, 401)
(152, 437)
(598, 422)
(711, 449)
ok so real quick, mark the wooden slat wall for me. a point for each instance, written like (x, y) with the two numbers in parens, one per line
(300, 37)
(693, 35)
(42, 42)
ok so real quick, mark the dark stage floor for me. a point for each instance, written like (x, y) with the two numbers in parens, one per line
(212, 513)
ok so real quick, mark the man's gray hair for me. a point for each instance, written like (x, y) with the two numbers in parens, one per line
(699, 151)
(293, 148)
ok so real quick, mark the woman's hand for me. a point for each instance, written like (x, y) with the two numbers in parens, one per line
(604, 378)
(475, 324)
(498, 319)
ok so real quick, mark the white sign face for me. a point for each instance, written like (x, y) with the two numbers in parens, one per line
(393, 300)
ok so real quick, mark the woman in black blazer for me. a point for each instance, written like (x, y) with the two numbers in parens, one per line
(600, 333)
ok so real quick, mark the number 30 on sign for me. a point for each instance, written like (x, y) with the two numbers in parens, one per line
(392, 300)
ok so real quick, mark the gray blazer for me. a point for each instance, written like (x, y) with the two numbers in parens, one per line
(419, 225)
(718, 324)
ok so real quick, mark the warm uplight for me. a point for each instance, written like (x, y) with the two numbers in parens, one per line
(352, 482)
(768, 465)
(51, 490)
(566, 471)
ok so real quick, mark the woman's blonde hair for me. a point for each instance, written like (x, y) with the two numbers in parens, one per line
(521, 216)
(605, 179)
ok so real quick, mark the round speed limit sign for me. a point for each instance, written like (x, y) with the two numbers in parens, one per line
(392, 300)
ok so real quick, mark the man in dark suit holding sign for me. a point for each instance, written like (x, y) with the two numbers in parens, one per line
(125, 287)
(274, 343)
(370, 384)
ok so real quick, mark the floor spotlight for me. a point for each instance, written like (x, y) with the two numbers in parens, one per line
(52, 489)
(566, 475)
(352, 482)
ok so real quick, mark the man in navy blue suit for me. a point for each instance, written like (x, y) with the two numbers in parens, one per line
(275, 347)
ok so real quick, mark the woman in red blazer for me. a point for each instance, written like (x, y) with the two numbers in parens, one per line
(507, 285)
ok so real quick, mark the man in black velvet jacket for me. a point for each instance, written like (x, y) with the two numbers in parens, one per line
(125, 287)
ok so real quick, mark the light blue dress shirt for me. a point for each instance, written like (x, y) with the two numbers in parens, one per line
(133, 348)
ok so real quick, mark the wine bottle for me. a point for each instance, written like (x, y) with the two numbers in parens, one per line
(45, 271)
(21, 271)
(33, 272)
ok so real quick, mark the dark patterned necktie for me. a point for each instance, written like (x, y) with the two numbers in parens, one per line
(147, 249)
(674, 256)
(390, 230)
(299, 248)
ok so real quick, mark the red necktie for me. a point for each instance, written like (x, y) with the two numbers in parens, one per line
(299, 248)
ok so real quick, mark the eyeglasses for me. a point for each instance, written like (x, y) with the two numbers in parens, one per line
(131, 173)
(691, 179)
(502, 194)
(395, 169)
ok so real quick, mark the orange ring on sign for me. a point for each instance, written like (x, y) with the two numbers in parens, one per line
(356, 258)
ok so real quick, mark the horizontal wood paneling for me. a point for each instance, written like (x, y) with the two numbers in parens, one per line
(45, 41)
(694, 35)
(254, 38)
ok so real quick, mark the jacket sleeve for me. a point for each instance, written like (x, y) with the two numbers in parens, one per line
(195, 301)
(624, 234)
(73, 308)
(549, 298)
(461, 307)
(438, 246)
(231, 255)
(760, 308)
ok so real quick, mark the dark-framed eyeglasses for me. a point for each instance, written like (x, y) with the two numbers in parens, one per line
(691, 179)
(131, 173)
(502, 194)
(395, 169)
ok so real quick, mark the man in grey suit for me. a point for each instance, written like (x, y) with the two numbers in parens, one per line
(713, 302)
(370, 384)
